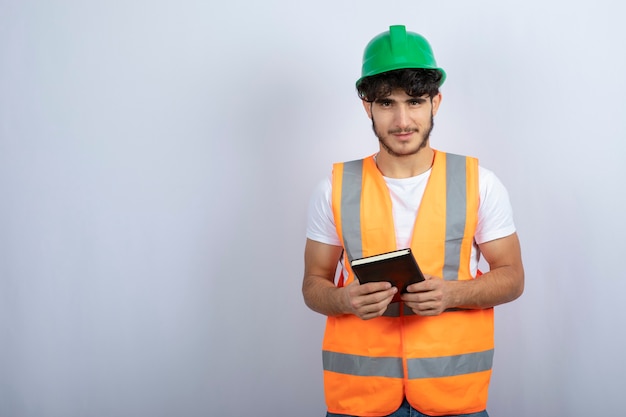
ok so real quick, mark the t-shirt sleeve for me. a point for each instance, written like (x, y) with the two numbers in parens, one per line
(320, 220)
(495, 214)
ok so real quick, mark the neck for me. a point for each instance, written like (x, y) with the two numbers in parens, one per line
(405, 166)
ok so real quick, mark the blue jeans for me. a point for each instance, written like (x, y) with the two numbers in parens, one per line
(406, 410)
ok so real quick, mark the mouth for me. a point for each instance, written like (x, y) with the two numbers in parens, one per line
(403, 134)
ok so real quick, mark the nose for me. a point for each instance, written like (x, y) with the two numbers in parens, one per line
(402, 118)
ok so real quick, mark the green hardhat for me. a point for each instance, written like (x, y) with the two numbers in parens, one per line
(398, 49)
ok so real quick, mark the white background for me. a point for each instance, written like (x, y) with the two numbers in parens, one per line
(156, 161)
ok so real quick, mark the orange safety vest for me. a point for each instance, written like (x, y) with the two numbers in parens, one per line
(441, 364)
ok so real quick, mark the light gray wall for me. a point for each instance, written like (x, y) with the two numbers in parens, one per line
(156, 160)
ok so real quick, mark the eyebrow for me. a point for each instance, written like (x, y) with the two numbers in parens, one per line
(391, 100)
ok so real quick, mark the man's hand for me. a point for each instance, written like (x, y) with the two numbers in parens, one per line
(322, 295)
(428, 298)
(503, 283)
(368, 300)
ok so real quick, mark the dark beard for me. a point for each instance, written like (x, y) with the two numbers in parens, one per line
(422, 145)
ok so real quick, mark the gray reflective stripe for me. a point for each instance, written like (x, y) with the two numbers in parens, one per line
(450, 365)
(352, 182)
(420, 368)
(362, 365)
(456, 202)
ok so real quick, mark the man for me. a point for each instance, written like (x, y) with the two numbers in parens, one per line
(431, 353)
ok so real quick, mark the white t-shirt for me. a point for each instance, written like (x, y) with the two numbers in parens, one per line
(495, 215)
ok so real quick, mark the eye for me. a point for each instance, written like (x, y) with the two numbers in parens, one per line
(416, 101)
(384, 103)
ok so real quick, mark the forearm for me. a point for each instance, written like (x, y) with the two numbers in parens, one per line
(498, 286)
(322, 296)
(503, 283)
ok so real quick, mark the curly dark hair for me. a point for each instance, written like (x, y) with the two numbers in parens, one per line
(414, 81)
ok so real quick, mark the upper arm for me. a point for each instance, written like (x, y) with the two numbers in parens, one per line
(320, 260)
(502, 252)
(318, 286)
(505, 254)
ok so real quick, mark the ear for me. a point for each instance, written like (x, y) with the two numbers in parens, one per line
(368, 108)
(436, 101)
